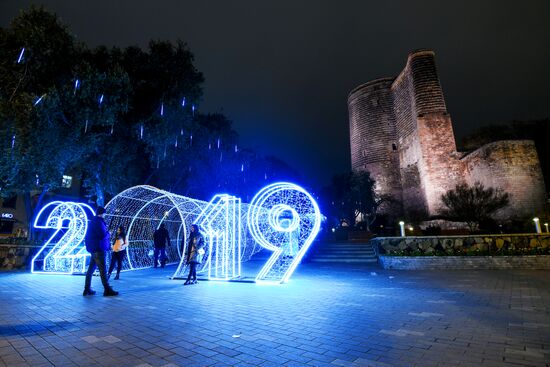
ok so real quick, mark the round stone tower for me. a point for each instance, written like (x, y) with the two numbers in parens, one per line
(373, 136)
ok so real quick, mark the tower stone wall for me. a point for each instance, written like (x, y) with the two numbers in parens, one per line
(512, 165)
(402, 134)
(372, 125)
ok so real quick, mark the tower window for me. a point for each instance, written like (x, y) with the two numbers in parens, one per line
(393, 146)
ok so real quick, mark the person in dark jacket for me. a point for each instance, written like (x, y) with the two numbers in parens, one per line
(195, 251)
(97, 244)
(161, 239)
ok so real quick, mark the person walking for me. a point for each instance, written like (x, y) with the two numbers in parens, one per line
(160, 239)
(97, 244)
(119, 250)
(195, 251)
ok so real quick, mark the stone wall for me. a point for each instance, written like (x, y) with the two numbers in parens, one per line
(428, 245)
(428, 95)
(512, 165)
(464, 262)
(427, 150)
(425, 249)
(439, 165)
(408, 145)
(372, 135)
(16, 256)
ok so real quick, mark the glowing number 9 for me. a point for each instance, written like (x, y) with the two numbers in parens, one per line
(285, 219)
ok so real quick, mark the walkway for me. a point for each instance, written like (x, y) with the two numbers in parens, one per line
(342, 315)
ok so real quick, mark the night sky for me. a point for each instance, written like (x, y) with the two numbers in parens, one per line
(282, 70)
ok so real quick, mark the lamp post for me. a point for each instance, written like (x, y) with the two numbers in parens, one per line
(546, 225)
(537, 224)
(402, 227)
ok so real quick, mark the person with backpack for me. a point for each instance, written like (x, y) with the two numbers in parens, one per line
(97, 244)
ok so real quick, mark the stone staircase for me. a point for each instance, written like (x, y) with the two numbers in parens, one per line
(343, 252)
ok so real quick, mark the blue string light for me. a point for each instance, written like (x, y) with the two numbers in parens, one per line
(64, 251)
(39, 99)
(21, 55)
(282, 218)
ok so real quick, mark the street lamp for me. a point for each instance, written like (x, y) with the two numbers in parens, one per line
(537, 224)
(402, 226)
(546, 225)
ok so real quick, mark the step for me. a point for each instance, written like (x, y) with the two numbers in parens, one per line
(345, 250)
(344, 255)
(322, 260)
(343, 245)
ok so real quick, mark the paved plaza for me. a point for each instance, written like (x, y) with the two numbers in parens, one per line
(327, 315)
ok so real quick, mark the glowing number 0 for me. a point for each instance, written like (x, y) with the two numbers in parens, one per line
(285, 219)
(63, 252)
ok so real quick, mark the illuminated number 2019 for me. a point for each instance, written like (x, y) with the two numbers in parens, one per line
(282, 217)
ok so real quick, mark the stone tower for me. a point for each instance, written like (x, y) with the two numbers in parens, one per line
(401, 133)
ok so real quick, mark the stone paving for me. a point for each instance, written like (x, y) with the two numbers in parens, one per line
(341, 315)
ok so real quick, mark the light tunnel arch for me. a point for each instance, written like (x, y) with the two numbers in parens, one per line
(141, 210)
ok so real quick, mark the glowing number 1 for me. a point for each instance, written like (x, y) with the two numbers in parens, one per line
(221, 224)
(285, 219)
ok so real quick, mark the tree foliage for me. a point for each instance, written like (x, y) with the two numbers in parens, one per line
(473, 204)
(113, 117)
(352, 196)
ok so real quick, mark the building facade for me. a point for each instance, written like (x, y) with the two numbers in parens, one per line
(401, 133)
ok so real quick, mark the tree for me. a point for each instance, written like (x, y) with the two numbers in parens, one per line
(113, 117)
(352, 197)
(64, 107)
(37, 149)
(208, 160)
(367, 201)
(473, 204)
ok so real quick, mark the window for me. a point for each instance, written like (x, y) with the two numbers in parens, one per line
(67, 181)
(393, 146)
(10, 202)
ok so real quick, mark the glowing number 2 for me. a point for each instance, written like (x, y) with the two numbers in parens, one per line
(63, 252)
(221, 224)
(285, 219)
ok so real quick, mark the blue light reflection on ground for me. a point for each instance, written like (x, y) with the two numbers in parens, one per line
(326, 315)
